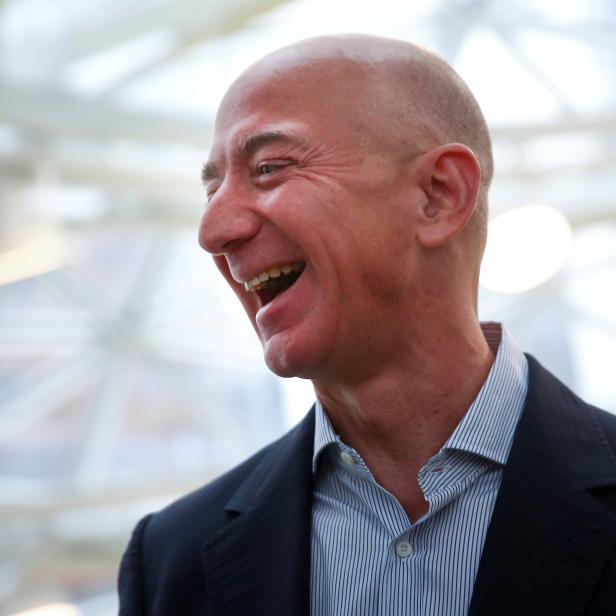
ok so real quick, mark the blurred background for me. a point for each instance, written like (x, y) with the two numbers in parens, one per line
(128, 375)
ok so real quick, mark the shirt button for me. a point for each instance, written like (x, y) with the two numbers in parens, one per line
(346, 457)
(403, 549)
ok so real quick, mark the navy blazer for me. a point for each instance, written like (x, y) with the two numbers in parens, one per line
(241, 545)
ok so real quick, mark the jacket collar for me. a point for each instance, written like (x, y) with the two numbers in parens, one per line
(550, 535)
(259, 563)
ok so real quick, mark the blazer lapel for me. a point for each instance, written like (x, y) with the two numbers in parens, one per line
(259, 563)
(549, 537)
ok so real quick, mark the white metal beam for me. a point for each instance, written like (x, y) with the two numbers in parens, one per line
(192, 19)
(229, 18)
(43, 111)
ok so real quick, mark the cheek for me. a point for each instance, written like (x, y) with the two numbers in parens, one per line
(302, 197)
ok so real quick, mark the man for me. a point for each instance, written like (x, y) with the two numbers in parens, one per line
(442, 471)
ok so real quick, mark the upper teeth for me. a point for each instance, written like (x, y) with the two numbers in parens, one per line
(256, 283)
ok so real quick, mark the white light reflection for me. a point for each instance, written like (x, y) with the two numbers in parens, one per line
(35, 258)
(526, 247)
(55, 609)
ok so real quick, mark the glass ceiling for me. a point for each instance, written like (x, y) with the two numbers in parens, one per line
(128, 374)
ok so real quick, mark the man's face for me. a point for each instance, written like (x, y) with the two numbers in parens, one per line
(308, 221)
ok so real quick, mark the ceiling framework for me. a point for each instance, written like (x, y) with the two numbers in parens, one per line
(107, 358)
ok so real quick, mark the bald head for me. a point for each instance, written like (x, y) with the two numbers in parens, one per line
(396, 92)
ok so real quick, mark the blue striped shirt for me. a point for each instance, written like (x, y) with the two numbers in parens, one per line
(367, 558)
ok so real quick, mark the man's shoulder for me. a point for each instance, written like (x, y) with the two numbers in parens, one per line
(558, 421)
(203, 511)
(607, 422)
(163, 564)
(558, 485)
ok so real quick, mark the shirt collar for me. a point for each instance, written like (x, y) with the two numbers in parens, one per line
(488, 426)
(324, 434)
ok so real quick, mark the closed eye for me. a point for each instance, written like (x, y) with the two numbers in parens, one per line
(268, 168)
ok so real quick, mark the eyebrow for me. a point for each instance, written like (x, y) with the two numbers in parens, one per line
(249, 145)
(209, 171)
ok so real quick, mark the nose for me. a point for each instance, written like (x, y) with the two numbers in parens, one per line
(228, 219)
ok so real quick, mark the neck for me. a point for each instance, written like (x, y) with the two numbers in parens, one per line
(403, 414)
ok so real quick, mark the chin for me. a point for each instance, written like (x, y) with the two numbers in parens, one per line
(285, 366)
(291, 360)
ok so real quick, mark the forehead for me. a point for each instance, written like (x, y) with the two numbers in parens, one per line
(259, 110)
(283, 90)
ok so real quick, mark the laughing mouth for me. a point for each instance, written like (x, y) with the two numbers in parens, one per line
(273, 281)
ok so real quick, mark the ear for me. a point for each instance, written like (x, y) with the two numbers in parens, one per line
(449, 176)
